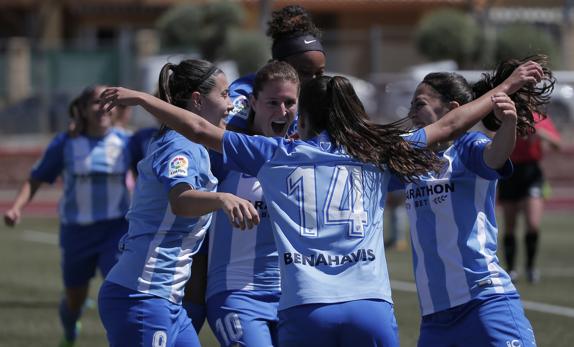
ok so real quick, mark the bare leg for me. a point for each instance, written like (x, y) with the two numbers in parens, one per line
(534, 210)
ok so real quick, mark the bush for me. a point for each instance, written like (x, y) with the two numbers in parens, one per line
(449, 34)
(249, 49)
(178, 26)
(204, 27)
(523, 40)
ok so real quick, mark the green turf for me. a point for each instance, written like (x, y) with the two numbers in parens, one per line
(30, 288)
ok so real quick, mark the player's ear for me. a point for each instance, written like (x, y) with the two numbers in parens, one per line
(196, 100)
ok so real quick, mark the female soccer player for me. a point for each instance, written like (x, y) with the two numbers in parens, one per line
(466, 297)
(325, 197)
(243, 285)
(296, 41)
(522, 193)
(140, 301)
(93, 164)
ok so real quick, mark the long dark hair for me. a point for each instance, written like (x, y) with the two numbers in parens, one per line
(77, 110)
(330, 103)
(272, 71)
(528, 100)
(178, 81)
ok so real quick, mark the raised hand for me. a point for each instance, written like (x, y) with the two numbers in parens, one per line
(503, 107)
(114, 96)
(528, 73)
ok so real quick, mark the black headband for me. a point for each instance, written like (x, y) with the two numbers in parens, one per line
(204, 78)
(295, 44)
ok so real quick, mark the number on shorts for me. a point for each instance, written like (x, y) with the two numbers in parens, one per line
(344, 202)
(159, 339)
(230, 329)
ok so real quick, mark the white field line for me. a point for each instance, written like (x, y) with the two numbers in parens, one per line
(40, 237)
(52, 239)
(529, 305)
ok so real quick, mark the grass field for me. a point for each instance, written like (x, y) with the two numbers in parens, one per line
(30, 288)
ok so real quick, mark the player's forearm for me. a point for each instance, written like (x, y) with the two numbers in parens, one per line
(552, 139)
(193, 203)
(502, 144)
(26, 193)
(187, 123)
(461, 119)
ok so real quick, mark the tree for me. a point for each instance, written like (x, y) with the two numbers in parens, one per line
(249, 49)
(204, 27)
(522, 40)
(449, 34)
(213, 29)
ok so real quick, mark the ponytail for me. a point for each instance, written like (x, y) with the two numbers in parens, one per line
(331, 104)
(178, 81)
(528, 100)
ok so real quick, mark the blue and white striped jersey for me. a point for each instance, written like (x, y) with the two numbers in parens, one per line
(241, 259)
(326, 211)
(158, 247)
(453, 228)
(94, 174)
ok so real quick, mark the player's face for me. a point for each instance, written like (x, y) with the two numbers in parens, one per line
(275, 108)
(216, 104)
(97, 119)
(308, 65)
(426, 106)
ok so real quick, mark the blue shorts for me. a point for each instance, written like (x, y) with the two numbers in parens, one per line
(87, 247)
(496, 321)
(135, 319)
(245, 318)
(356, 323)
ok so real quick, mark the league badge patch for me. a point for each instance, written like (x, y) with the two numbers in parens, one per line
(178, 166)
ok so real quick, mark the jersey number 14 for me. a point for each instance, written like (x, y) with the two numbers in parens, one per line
(343, 204)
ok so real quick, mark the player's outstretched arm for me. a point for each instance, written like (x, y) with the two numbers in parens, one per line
(498, 151)
(187, 123)
(462, 118)
(25, 194)
(189, 202)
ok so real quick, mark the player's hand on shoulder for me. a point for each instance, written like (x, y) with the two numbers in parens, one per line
(241, 213)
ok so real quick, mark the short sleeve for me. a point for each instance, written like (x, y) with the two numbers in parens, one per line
(417, 138)
(51, 165)
(179, 165)
(470, 148)
(246, 153)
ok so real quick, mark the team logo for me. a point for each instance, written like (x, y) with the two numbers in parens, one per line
(240, 107)
(178, 166)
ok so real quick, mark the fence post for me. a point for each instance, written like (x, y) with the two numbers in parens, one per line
(18, 69)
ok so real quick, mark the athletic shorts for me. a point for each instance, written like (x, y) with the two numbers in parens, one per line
(356, 323)
(134, 319)
(244, 318)
(526, 181)
(87, 247)
(495, 321)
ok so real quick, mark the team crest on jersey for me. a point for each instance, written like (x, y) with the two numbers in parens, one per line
(178, 166)
(325, 146)
(240, 107)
